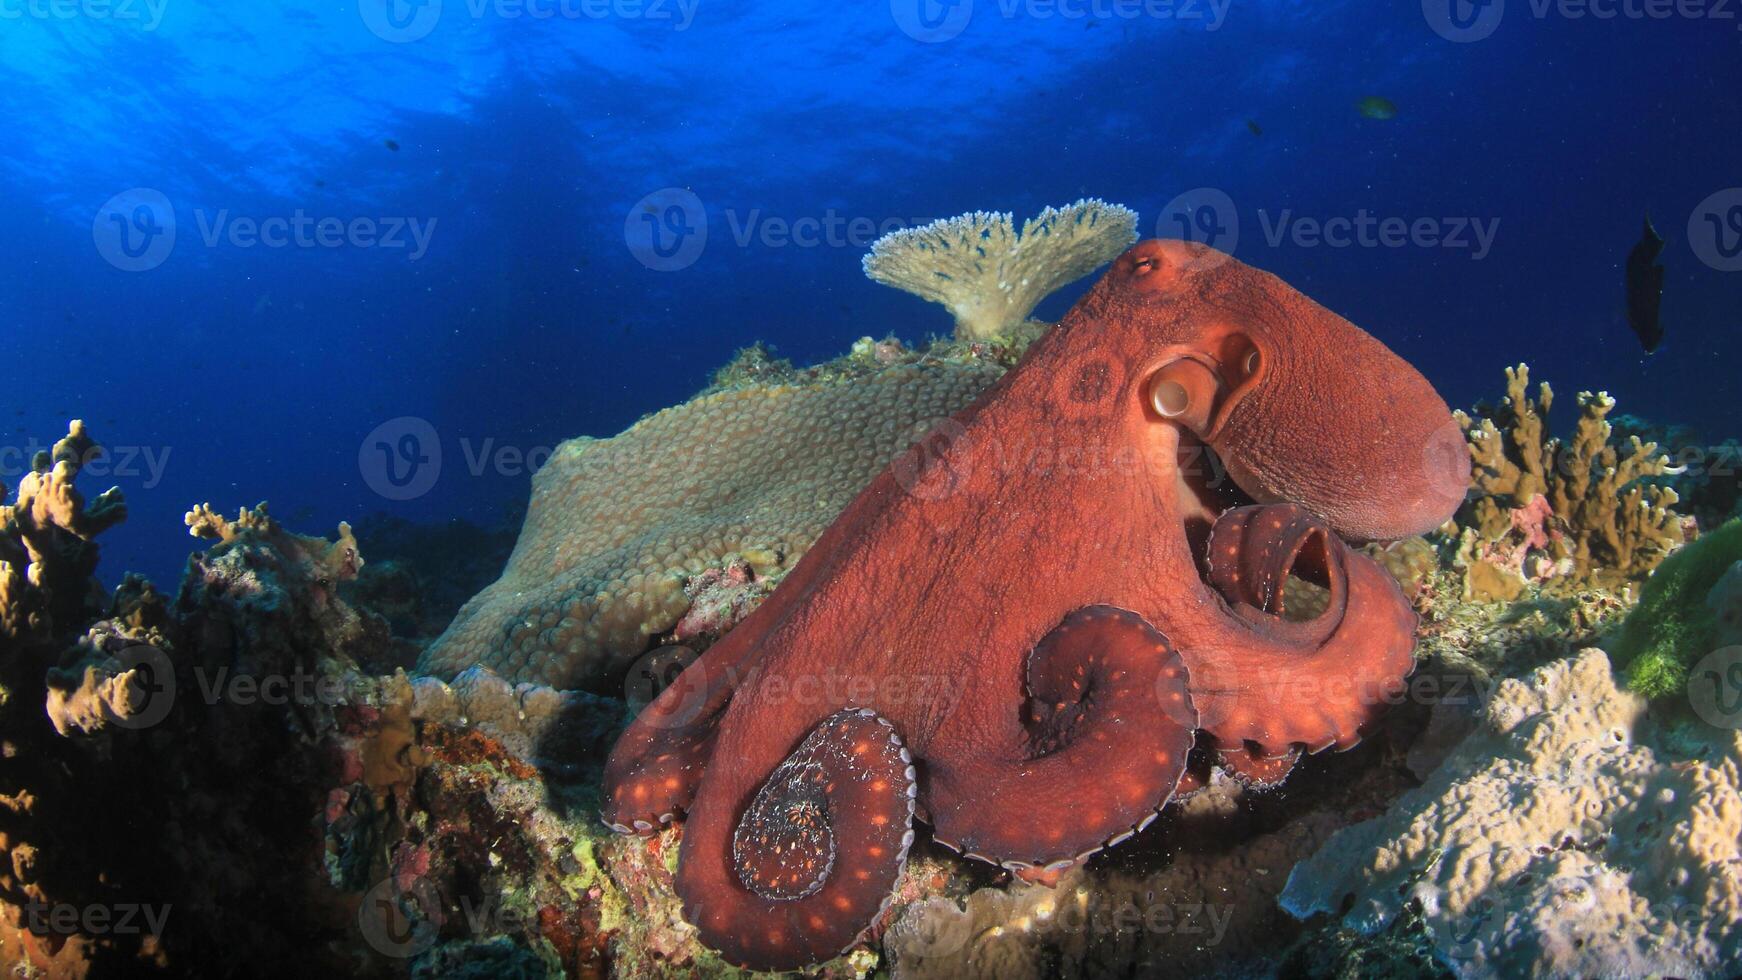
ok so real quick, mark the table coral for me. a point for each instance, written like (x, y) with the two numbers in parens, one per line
(989, 275)
(1577, 511)
(751, 472)
(1563, 838)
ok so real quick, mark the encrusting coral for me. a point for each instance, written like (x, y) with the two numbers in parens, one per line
(989, 275)
(744, 476)
(1545, 510)
(1571, 835)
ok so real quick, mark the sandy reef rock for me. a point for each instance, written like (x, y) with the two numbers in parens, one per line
(1571, 835)
(991, 276)
(745, 475)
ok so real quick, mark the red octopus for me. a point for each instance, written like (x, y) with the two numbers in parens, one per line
(1018, 631)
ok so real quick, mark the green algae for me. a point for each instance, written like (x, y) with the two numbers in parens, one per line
(1672, 627)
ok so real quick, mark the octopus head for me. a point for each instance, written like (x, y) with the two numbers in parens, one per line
(1298, 403)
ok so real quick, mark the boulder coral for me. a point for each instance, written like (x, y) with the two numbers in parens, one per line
(742, 477)
(991, 276)
(1571, 835)
(1545, 510)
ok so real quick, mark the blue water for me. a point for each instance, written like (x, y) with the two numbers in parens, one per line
(231, 371)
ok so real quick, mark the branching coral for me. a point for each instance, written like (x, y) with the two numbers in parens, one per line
(46, 556)
(1577, 510)
(990, 276)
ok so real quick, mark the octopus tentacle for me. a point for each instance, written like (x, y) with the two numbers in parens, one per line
(814, 858)
(659, 759)
(1107, 728)
(1278, 684)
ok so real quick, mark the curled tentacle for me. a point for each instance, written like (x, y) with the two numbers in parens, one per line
(814, 857)
(1105, 734)
(1279, 684)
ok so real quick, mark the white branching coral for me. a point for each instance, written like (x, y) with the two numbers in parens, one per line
(990, 276)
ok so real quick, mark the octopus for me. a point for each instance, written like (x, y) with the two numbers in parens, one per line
(1024, 630)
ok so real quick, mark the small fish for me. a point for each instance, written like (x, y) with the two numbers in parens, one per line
(391, 145)
(1645, 288)
(1252, 127)
(1377, 107)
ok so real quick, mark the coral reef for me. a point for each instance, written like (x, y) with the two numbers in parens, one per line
(1570, 835)
(989, 275)
(1576, 512)
(750, 471)
(1681, 614)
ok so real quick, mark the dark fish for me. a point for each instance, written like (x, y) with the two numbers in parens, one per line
(391, 145)
(1377, 107)
(1252, 127)
(1645, 288)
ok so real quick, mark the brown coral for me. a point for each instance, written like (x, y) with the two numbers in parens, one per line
(46, 557)
(1578, 511)
(617, 526)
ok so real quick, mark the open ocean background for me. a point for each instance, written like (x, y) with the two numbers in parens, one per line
(522, 147)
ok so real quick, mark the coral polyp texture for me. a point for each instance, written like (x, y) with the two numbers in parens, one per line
(1544, 510)
(742, 477)
(1570, 835)
(991, 276)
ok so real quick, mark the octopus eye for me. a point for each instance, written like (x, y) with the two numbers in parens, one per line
(1184, 391)
(1250, 366)
(1170, 398)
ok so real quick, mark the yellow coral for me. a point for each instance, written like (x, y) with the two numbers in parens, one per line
(45, 557)
(617, 525)
(989, 276)
(1602, 522)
